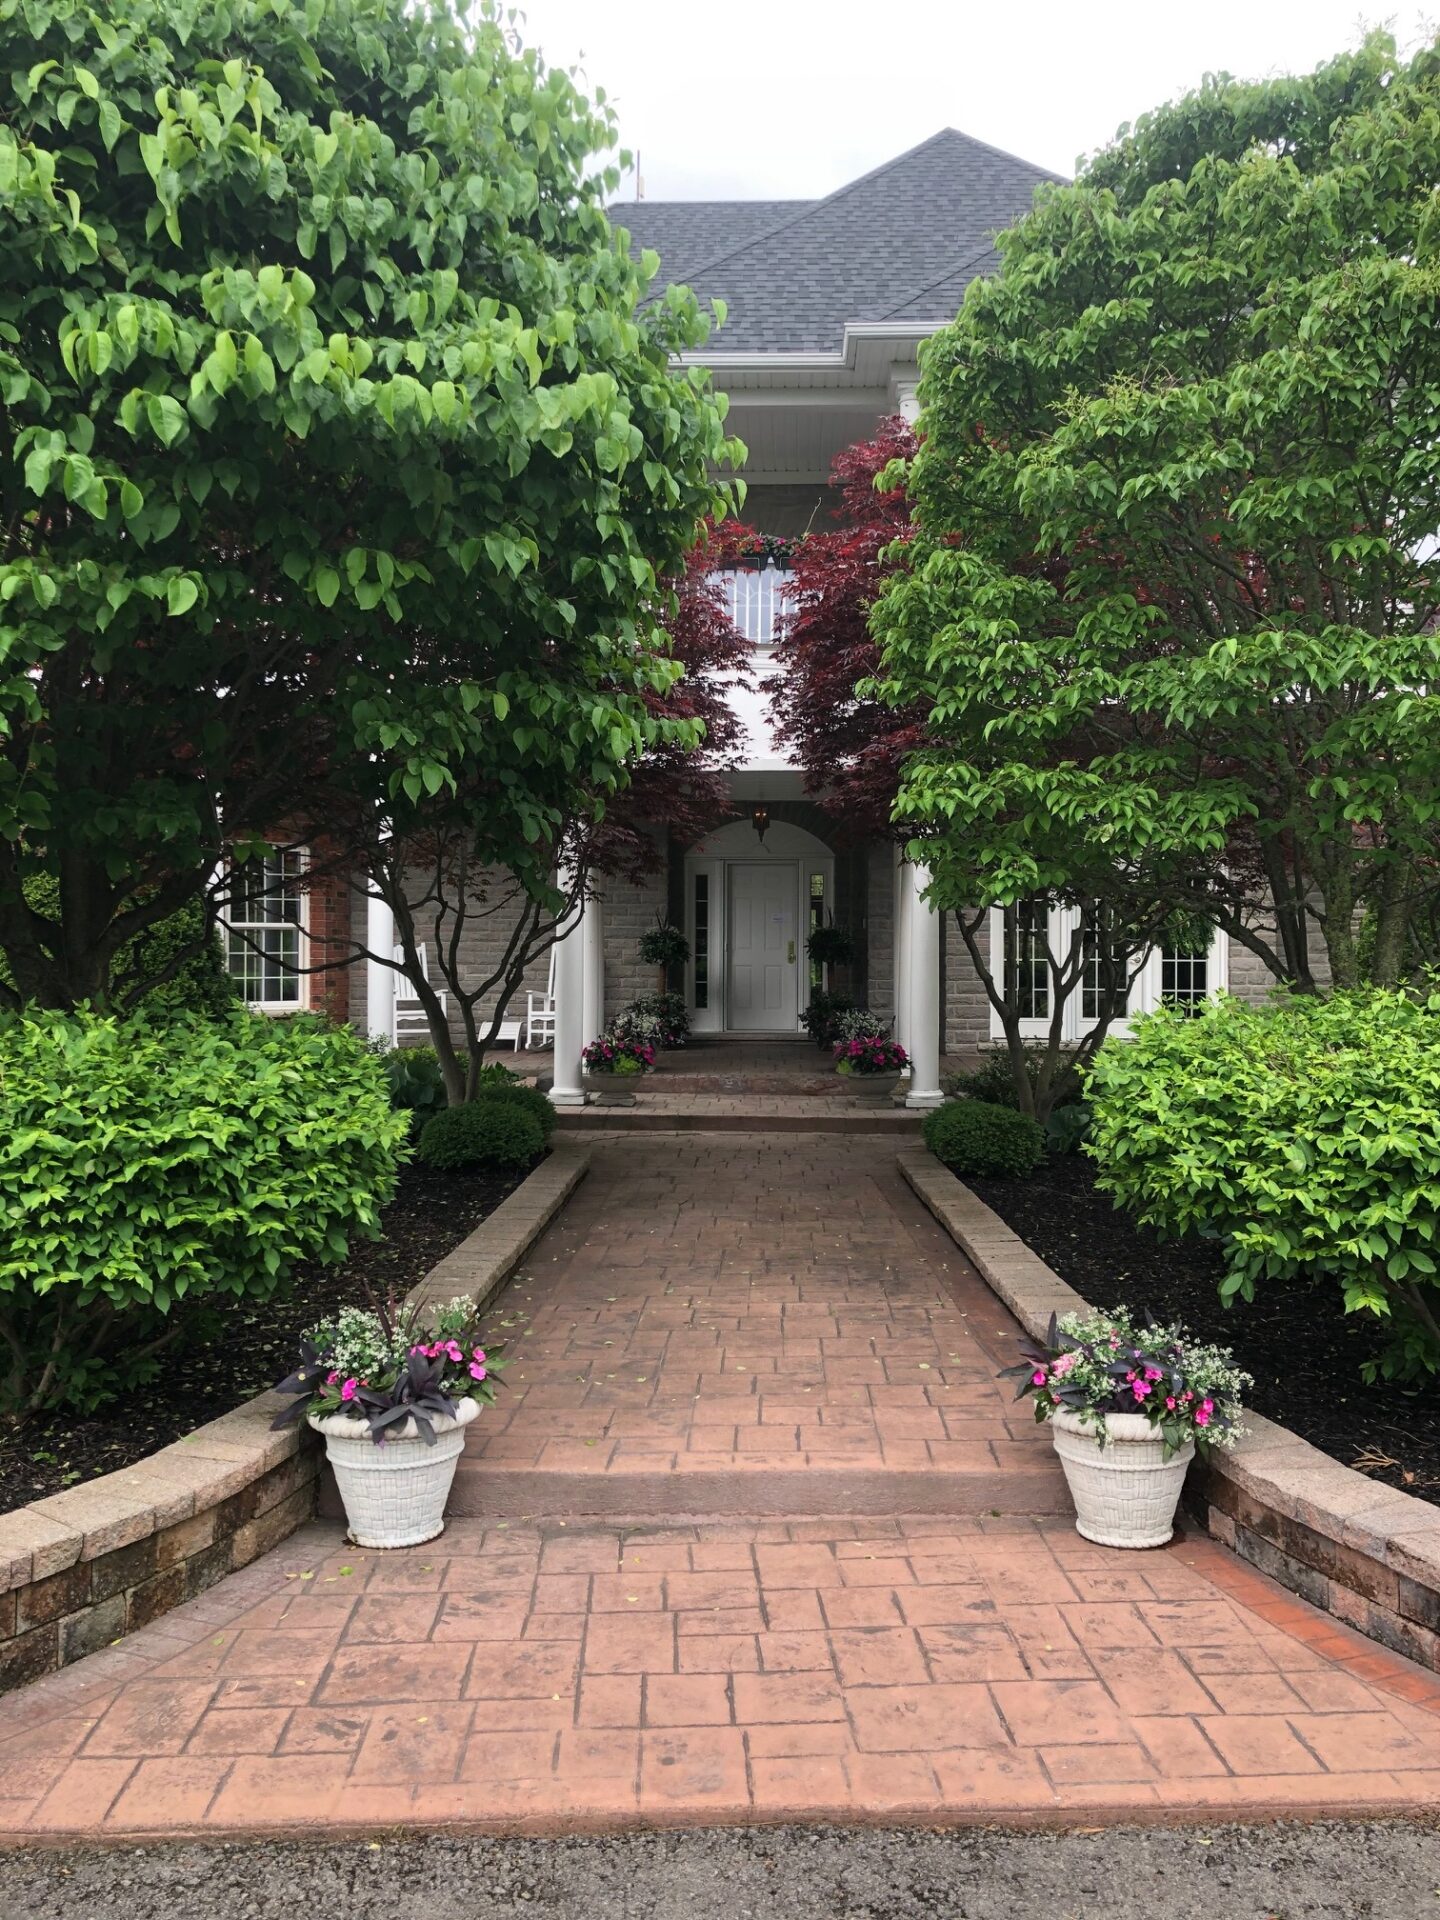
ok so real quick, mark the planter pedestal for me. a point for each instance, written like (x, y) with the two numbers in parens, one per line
(395, 1490)
(613, 1089)
(1125, 1492)
(871, 1089)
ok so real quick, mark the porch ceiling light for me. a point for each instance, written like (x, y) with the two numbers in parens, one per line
(760, 820)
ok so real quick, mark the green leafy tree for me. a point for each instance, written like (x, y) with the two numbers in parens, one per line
(335, 435)
(1171, 606)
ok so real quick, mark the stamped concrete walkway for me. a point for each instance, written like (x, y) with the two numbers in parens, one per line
(949, 1650)
(757, 1324)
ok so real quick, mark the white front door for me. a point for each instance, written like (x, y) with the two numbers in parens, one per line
(763, 948)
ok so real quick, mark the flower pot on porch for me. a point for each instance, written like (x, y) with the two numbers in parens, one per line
(395, 1489)
(613, 1089)
(1125, 1491)
(871, 1089)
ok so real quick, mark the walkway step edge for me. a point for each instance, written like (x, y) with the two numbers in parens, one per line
(755, 1493)
(81, 1569)
(1368, 1555)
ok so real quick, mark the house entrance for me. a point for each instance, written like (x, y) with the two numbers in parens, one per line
(763, 957)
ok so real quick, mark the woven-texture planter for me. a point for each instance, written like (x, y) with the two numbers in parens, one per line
(395, 1490)
(1125, 1492)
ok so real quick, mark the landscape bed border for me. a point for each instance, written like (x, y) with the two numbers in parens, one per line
(1369, 1555)
(80, 1569)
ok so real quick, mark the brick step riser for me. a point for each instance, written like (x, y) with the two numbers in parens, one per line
(756, 1493)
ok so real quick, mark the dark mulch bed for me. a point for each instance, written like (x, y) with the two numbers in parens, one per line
(245, 1347)
(1303, 1350)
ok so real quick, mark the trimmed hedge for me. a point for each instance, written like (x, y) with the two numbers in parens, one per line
(489, 1132)
(971, 1136)
(148, 1163)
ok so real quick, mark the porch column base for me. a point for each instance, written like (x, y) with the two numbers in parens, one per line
(568, 1096)
(922, 1099)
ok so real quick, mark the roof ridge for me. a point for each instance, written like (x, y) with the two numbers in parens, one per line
(809, 208)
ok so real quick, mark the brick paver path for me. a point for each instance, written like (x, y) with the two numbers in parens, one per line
(760, 1328)
(753, 1324)
(569, 1676)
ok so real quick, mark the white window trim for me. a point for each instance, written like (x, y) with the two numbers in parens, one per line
(1144, 990)
(301, 1002)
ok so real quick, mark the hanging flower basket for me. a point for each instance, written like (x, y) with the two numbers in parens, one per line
(1128, 1405)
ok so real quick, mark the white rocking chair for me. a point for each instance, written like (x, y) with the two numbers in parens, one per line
(410, 1020)
(540, 1013)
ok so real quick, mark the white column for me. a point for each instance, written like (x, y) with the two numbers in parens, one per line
(907, 401)
(567, 1088)
(379, 979)
(591, 937)
(924, 944)
(901, 952)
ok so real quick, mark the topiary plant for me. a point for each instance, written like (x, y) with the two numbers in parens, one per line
(493, 1133)
(527, 1099)
(971, 1136)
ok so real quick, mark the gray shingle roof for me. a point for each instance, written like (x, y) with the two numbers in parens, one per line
(901, 243)
(686, 232)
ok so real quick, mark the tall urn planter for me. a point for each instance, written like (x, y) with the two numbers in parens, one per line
(1129, 1404)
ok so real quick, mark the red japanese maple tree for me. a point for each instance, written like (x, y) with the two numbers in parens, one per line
(849, 749)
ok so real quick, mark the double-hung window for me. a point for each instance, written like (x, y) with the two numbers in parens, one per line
(1183, 974)
(265, 926)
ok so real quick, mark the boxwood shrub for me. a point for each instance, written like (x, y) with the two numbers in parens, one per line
(492, 1132)
(972, 1136)
(149, 1163)
(528, 1099)
(1304, 1134)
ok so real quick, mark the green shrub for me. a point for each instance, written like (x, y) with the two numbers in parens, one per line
(417, 1086)
(528, 1099)
(1067, 1129)
(994, 1080)
(491, 1132)
(972, 1136)
(148, 1163)
(1305, 1134)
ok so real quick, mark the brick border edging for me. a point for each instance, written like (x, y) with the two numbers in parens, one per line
(81, 1568)
(1369, 1555)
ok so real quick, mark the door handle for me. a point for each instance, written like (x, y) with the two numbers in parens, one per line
(790, 955)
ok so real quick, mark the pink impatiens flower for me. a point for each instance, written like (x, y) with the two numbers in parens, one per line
(1062, 1364)
(477, 1372)
(1139, 1388)
(1038, 1379)
(347, 1392)
(1203, 1413)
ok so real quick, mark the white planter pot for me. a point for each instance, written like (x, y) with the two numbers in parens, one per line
(395, 1491)
(1125, 1492)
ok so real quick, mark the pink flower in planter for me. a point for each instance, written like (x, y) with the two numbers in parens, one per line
(347, 1392)
(477, 1372)
(1038, 1380)
(478, 1353)
(1203, 1413)
(1140, 1388)
(1062, 1364)
(331, 1378)
(1153, 1373)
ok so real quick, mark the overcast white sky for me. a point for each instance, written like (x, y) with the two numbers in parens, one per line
(791, 98)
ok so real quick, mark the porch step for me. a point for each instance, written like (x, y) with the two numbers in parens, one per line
(657, 1112)
(738, 1484)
